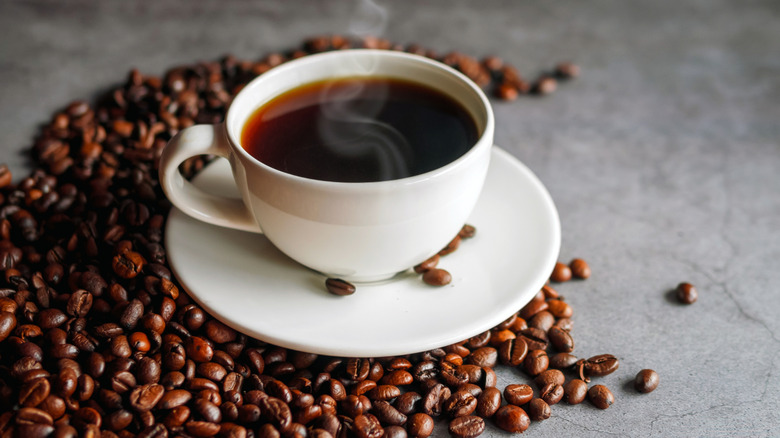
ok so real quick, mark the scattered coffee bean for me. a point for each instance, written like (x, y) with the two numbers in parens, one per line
(597, 366)
(579, 268)
(560, 339)
(687, 293)
(518, 394)
(437, 277)
(337, 286)
(646, 381)
(538, 410)
(562, 361)
(575, 391)
(427, 265)
(560, 273)
(488, 402)
(512, 418)
(549, 376)
(420, 425)
(468, 426)
(601, 396)
(551, 393)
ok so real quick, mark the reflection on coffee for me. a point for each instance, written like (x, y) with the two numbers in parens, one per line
(359, 129)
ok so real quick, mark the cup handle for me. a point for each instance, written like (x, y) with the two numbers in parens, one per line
(218, 210)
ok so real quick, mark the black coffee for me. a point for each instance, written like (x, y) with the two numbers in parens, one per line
(359, 129)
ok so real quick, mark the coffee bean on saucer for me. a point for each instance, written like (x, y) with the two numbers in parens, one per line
(467, 232)
(427, 265)
(646, 381)
(437, 277)
(579, 268)
(561, 272)
(337, 286)
(687, 293)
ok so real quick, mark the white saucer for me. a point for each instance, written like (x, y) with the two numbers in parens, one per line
(248, 284)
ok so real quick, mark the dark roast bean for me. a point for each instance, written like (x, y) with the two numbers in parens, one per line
(388, 414)
(538, 410)
(575, 391)
(518, 394)
(437, 277)
(408, 402)
(367, 426)
(512, 352)
(460, 403)
(551, 393)
(427, 265)
(340, 287)
(560, 273)
(467, 426)
(512, 418)
(536, 362)
(420, 425)
(686, 293)
(560, 339)
(542, 320)
(562, 361)
(483, 357)
(434, 400)
(549, 376)
(393, 432)
(598, 366)
(174, 398)
(646, 381)
(601, 396)
(144, 398)
(488, 402)
(33, 392)
(535, 338)
(579, 268)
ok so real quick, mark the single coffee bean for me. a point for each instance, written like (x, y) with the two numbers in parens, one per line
(551, 393)
(427, 265)
(433, 401)
(560, 308)
(437, 277)
(468, 426)
(545, 85)
(460, 403)
(408, 402)
(144, 398)
(535, 338)
(567, 70)
(601, 396)
(646, 381)
(575, 391)
(390, 432)
(387, 414)
(687, 293)
(533, 307)
(536, 362)
(367, 426)
(597, 366)
(579, 268)
(542, 320)
(512, 351)
(174, 398)
(451, 247)
(563, 361)
(488, 402)
(538, 410)
(518, 394)
(340, 287)
(420, 425)
(560, 339)
(483, 357)
(564, 323)
(549, 376)
(560, 273)
(512, 418)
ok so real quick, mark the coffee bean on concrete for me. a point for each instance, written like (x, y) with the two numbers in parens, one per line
(512, 418)
(579, 268)
(601, 396)
(575, 391)
(538, 410)
(646, 381)
(686, 293)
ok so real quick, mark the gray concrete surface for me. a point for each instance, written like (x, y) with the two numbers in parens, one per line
(663, 160)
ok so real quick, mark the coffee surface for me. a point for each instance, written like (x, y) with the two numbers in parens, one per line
(359, 130)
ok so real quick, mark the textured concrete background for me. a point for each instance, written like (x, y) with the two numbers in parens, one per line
(663, 160)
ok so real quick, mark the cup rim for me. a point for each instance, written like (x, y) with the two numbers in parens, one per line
(482, 141)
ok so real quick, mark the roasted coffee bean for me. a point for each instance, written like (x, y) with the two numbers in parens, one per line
(512, 352)
(518, 394)
(567, 70)
(408, 402)
(7, 324)
(483, 357)
(427, 265)
(542, 320)
(394, 432)
(460, 403)
(598, 366)
(686, 293)
(579, 268)
(533, 307)
(562, 361)
(601, 396)
(488, 402)
(646, 381)
(549, 376)
(340, 287)
(489, 377)
(174, 398)
(560, 273)
(536, 362)
(451, 247)
(560, 339)
(538, 410)
(33, 392)
(535, 338)
(559, 308)
(545, 85)
(564, 323)
(388, 414)
(437, 277)
(575, 391)
(420, 425)
(367, 426)
(512, 418)
(144, 398)
(468, 426)
(551, 393)
(398, 378)
(433, 401)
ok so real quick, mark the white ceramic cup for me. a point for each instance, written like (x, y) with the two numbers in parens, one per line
(365, 231)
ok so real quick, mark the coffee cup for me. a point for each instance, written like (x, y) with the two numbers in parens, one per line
(362, 230)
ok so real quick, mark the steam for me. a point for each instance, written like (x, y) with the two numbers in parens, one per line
(369, 19)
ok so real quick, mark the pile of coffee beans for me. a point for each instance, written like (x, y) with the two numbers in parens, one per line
(96, 339)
